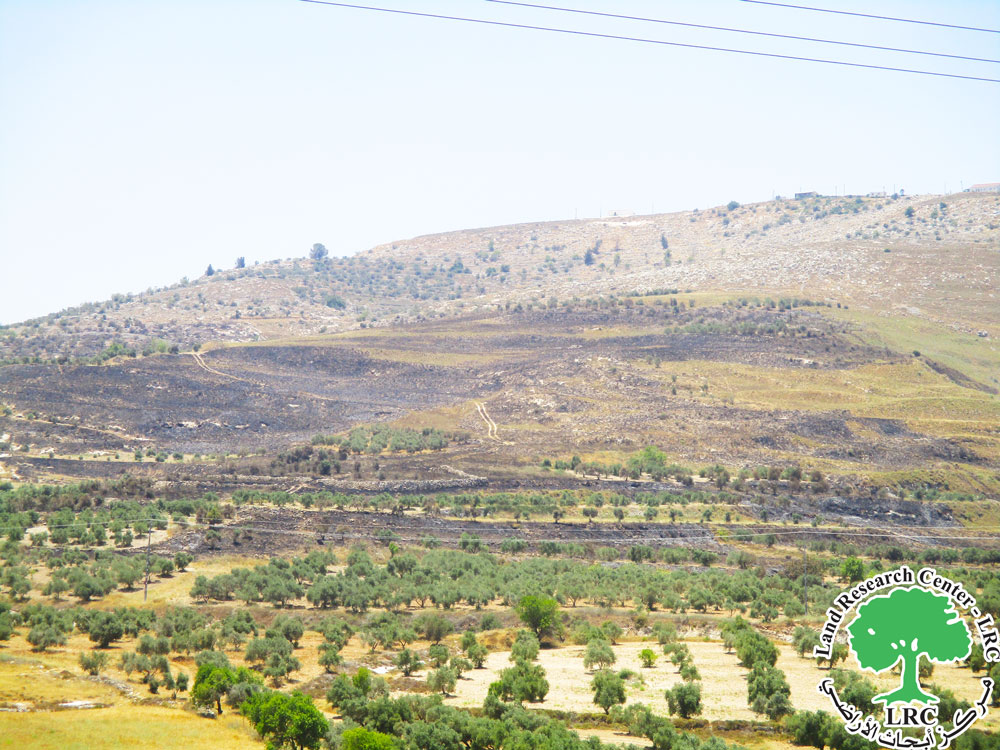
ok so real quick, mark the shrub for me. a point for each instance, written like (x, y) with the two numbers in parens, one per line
(684, 700)
(442, 680)
(665, 632)
(539, 614)
(182, 560)
(689, 673)
(768, 692)
(525, 647)
(477, 654)
(286, 719)
(94, 662)
(598, 654)
(329, 656)
(360, 738)
(612, 631)
(104, 627)
(470, 543)
(42, 637)
(432, 626)
(522, 682)
(438, 654)
(459, 665)
(608, 689)
(408, 662)
(809, 728)
(490, 621)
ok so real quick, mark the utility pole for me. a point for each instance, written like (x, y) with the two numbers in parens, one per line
(805, 582)
(145, 588)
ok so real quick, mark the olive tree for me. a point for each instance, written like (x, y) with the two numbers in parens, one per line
(608, 689)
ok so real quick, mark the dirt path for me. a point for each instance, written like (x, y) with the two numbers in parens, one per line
(202, 365)
(491, 426)
(258, 384)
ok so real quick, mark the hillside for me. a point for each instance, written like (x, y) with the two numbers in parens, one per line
(940, 264)
(765, 334)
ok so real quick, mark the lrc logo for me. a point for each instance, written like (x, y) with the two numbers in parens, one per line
(910, 716)
(898, 624)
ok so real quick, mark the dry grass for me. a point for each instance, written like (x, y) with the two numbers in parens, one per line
(927, 402)
(976, 357)
(59, 658)
(953, 476)
(439, 358)
(174, 590)
(38, 684)
(124, 726)
(447, 418)
(909, 390)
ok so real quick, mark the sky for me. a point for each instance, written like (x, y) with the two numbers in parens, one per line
(141, 141)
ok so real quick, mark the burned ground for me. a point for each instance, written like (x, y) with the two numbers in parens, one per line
(269, 396)
(243, 398)
(585, 379)
(276, 529)
(268, 531)
(760, 336)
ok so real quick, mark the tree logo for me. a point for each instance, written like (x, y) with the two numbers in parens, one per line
(902, 618)
(899, 628)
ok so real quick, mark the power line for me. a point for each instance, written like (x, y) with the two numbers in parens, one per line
(742, 31)
(869, 15)
(596, 35)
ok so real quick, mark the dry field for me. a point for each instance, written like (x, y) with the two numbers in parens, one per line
(118, 713)
(49, 703)
(723, 680)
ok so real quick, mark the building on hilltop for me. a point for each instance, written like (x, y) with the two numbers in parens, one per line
(984, 187)
(810, 194)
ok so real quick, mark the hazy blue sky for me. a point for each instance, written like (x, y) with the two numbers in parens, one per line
(140, 141)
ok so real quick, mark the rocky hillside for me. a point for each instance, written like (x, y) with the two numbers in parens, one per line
(932, 256)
